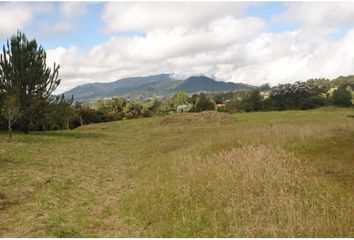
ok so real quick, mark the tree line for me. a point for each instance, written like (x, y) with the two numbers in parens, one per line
(306, 95)
(27, 102)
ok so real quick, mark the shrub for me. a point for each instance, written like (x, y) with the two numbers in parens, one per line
(151, 108)
(203, 103)
(341, 97)
(133, 110)
(252, 101)
(181, 98)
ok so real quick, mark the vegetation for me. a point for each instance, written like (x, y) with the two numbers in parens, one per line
(25, 80)
(27, 101)
(202, 103)
(204, 173)
(342, 98)
(210, 174)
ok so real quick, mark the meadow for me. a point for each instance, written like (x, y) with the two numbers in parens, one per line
(210, 174)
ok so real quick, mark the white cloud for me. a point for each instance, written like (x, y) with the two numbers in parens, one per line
(324, 16)
(158, 49)
(145, 16)
(228, 49)
(18, 16)
(73, 8)
(213, 39)
(15, 16)
(68, 19)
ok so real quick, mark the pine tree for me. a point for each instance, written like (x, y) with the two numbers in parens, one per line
(25, 75)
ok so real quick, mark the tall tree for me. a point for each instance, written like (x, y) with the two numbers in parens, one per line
(24, 73)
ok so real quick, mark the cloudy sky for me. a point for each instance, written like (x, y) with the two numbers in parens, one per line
(249, 42)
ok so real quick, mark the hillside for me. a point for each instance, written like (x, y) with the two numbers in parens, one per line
(150, 86)
(262, 174)
(202, 83)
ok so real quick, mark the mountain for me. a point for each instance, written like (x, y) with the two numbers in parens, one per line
(151, 86)
(124, 86)
(202, 83)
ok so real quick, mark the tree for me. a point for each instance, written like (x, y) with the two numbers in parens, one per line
(11, 111)
(252, 101)
(300, 95)
(113, 108)
(165, 107)
(240, 102)
(265, 87)
(218, 98)
(342, 98)
(86, 115)
(180, 98)
(151, 108)
(62, 112)
(203, 103)
(24, 72)
(133, 110)
(118, 105)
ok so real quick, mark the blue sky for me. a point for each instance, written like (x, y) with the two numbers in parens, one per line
(251, 42)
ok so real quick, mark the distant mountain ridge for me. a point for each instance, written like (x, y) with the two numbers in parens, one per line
(151, 86)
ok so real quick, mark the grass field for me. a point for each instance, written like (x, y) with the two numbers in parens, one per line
(273, 174)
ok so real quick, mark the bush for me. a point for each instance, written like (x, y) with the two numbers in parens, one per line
(342, 98)
(181, 98)
(113, 109)
(133, 110)
(252, 101)
(151, 108)
(202, 103)
(165, 107)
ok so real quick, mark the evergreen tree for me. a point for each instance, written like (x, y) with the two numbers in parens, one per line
(24, 74)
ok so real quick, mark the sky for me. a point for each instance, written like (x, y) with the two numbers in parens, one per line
(248, 42)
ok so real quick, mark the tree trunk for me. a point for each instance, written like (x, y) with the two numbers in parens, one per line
(10, 128)
(81, 122)
(44, 126)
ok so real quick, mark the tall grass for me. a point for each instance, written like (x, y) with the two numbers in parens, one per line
(254, 191)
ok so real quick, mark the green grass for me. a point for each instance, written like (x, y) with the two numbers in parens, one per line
(273, 174)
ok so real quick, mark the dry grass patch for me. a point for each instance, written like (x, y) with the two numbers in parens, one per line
(246, 192)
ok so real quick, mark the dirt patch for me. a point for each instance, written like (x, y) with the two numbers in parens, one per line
(197, 118)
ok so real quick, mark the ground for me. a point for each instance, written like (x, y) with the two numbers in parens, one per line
(272, 174)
